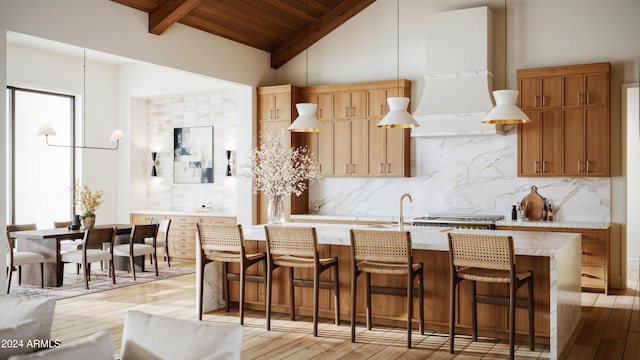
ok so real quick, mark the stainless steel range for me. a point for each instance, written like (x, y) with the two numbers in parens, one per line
(461, 221)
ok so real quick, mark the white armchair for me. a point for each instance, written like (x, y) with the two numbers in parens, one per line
(147, 336)
(98, 346)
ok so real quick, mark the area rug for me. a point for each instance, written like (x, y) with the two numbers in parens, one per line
(73, 284)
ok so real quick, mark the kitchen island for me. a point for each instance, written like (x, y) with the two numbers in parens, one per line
(553, 257)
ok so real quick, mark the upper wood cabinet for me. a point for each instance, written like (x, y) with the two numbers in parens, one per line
(569, 133)
(274, 107)
(353, 145)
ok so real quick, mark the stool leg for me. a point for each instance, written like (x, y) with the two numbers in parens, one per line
(474, 312)
(512, 318)
(421, 297)
(292, 295)
(368, 289)
(452, 312)
(225, 285)
(336, 293)
(354, 279)
(409, 306)
(268, 304)
(201, 285)
(316, 290)
(243, 276)
(532, 335)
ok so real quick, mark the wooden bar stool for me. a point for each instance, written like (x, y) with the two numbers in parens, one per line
(389, 253)
(225, 243)
(490, 259)
(297, 247)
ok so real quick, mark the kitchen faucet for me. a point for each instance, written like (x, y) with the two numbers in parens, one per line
(401, 219)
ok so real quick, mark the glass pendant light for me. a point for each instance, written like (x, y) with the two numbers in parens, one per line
(506, 111)
(306, 120)
(398, 116)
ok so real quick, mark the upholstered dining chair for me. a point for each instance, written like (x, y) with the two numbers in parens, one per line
(68, 244)
(225, 243)
(17, 258)
(297, 247)
(490, 259)
(385, 253)
(162, 240)
(93, 250)
(138, 247)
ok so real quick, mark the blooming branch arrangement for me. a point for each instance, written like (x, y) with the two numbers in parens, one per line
(278, 169)
(87, 200)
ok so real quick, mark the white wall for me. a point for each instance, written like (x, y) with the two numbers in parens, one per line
(631, 110)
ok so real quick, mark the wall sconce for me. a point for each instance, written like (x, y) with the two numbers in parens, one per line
(154, 159)
(229, 163)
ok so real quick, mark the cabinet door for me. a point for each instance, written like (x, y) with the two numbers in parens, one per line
(341, 148)
(377, 104)
(530, 145)
(325, 107)
(359, 149)
(321, 148)
(358, 104)
(398, 152)
(377, 149)
(341, 106)
(551, 143)
(266, 107)
(573, 142)
(529, 91)
(573, 90)
(283, 107)
(596, 89)
(551, 95)
(596, 142)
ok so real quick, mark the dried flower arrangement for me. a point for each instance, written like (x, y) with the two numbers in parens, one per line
(87, 200)
(279, 169)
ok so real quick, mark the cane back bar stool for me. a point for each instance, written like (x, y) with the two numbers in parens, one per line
(389, 253)
(297, 247)
(225, 243)
(491, 259)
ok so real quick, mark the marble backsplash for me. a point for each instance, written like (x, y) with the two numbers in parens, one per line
(475, 174)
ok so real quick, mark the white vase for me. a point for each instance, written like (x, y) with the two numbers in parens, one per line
(276, 213)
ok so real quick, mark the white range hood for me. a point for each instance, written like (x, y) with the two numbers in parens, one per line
(459, 75)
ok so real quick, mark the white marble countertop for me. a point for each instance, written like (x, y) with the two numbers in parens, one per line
(183, 213)
(426, 238)
(557, 224)
(325, 217)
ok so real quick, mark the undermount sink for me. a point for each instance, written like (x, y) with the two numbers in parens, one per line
(382, 226)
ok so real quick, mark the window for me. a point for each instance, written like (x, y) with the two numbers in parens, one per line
(39, 176)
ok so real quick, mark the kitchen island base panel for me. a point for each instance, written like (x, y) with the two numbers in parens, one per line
(554, 259)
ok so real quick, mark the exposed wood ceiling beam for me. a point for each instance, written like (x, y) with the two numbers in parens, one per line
(317, 30)
(168, 13)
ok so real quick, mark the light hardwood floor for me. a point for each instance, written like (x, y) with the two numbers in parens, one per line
(609, 329)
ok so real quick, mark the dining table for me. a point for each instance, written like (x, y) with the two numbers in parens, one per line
(47, 243)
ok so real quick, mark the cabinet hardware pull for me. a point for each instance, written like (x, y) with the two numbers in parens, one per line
(535, 101)
(270, 114)
(579, 171)
(388, 168)
(353, 166)
(544, 163)
(320, 113)
(535, 167)
(320, 168)
(587, 99)
(381, 109)
(544, 101)
(346, 168)
(579, 98)
(380, 168)
(346, 111)
(277, 113)
(587, 169)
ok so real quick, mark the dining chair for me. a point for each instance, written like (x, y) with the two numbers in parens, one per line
(297, 247)
(93, 250)
(68, 244)
(489, 259)
(225, 243)
(16, 258)
(137, 246)
(385, 253)
(162, 240)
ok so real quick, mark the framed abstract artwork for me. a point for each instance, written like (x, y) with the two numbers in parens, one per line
(193, 155)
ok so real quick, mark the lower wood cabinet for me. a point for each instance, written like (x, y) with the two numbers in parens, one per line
(182, 232)
(595, 254)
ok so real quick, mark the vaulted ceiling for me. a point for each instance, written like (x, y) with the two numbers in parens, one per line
(284, 28)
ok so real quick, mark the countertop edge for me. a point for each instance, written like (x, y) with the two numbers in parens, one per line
(183, 213)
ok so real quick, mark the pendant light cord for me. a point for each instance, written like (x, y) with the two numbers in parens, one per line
(306, 44)
(505, 44)
(84, 95)
(398, 44)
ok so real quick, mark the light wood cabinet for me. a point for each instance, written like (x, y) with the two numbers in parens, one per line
(595, 254)
(353, 145)
(182, 231)
(276, 106)
(569, 130)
